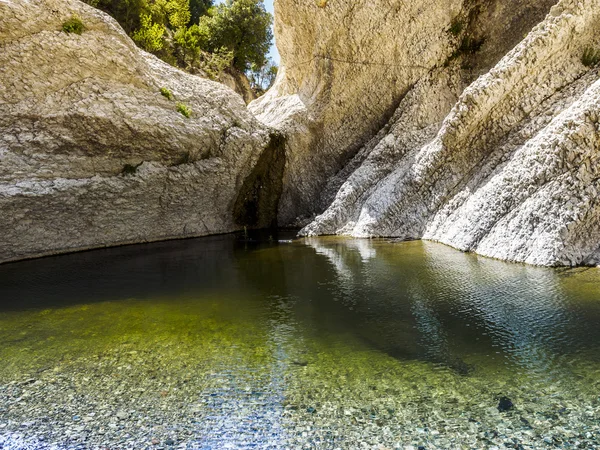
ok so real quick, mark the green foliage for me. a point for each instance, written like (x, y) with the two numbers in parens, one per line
(184, 109)
(166, 93)
(456, 27)
(188, 42)
(178, 12)
(150, 35)
(198, 8)
(73, 25)
(127, 12)
(591, 57)
(242, 26)
(215, 63)
(196, 36)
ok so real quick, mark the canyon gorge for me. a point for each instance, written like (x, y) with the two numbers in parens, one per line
(474, 124)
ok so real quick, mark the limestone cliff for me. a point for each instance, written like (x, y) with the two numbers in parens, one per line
(512, 171)
(392, 133)
(91, 153)
(350, 65)
(474, 123)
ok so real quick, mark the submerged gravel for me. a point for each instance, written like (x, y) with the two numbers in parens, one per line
(386, 348)
(127, 399)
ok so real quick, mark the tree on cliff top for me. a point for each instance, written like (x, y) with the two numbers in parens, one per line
(199, 8)
(196, 36)
(243, 27)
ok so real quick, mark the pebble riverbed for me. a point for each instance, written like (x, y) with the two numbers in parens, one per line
(257, 366)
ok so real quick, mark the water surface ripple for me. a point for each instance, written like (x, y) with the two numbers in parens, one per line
(325, 343)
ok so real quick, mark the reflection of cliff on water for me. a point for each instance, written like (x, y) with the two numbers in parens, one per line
(413, 300)
(426, 300)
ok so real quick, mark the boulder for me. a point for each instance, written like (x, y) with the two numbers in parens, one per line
(95, 146)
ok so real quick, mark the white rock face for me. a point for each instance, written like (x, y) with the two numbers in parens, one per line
(350, 64)
(512, 172)
(75, 110)
(456, 121)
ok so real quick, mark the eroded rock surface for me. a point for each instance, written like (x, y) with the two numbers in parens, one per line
(350, 65)
(91, 153)
(511, 172)
(473, 123)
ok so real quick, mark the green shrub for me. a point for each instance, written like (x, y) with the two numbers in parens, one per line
(166, 93)
(215, 63)
(591, 57)
(150, 34)
(73, 25)
(242, 27)
(184, 109)
(196, 35)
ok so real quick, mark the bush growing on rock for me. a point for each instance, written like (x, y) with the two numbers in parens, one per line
(184, 109)
(166, 93)
(73, 25)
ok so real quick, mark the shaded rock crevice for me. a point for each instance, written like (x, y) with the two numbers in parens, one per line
(258, 199)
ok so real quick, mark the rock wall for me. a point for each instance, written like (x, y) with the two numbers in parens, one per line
(473, 123)
(91, 153)
(349, 65)
(511, 172)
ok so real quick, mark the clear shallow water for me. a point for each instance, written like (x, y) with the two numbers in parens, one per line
(320, 343)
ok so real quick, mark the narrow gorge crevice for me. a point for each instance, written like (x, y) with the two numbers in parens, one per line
(258, 199)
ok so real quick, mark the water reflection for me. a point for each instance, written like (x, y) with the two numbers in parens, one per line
(254, 342)
(456, 305)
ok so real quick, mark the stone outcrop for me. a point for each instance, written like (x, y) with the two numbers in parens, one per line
(505, 166)
(350, 65)
(469, 122)
(91, 153)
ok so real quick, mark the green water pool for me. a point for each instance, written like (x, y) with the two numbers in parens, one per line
(326, 343)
